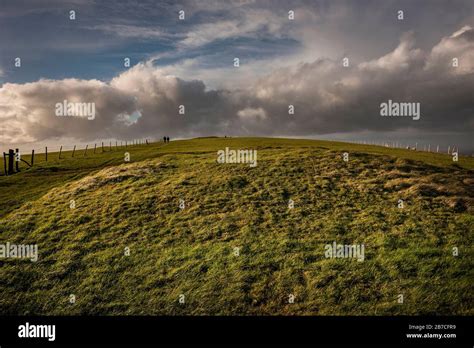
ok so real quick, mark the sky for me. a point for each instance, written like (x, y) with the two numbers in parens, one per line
(282, 62)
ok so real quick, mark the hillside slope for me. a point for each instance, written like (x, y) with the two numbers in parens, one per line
(280, 251)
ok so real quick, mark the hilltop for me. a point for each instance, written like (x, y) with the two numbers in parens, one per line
(224, 236)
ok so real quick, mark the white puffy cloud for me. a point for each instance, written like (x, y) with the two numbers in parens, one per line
(460, 46)
(404, 57)
(252, 114)
(28, 110)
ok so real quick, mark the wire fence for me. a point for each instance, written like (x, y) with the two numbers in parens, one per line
(13, 158)
(450, 149)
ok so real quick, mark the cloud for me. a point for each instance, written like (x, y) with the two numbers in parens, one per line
(328, 98)
(28, 110)
(248, 23)
(132, 31)
(460, 46)
(405, 56)
(252, 114)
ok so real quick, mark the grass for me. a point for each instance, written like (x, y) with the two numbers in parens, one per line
(192, 251)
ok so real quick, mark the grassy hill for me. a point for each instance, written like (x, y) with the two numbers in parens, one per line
(192, 251)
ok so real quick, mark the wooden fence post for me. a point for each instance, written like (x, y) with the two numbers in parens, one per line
(73, 150)
(11, 154)
(60, 150)
(46, 153)
(85, 151)
(17, 159)
(32, 157)
(5, 163)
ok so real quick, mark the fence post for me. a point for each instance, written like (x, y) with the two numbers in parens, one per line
(11, 154)
(46, 153)
(17, 159)
(102, 146)
(32, 157)
(5, 163)
(60, 150)
(73, 150)
(85, 151)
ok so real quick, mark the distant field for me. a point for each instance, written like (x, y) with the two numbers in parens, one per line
(191, 251)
